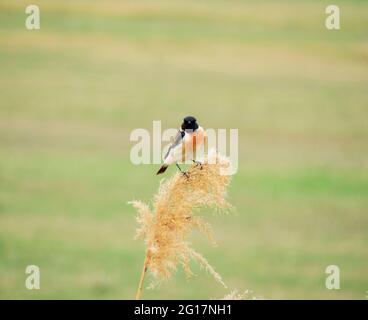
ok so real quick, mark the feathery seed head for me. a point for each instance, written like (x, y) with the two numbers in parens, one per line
(165, 227)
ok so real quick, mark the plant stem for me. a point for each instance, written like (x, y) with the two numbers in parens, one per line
(140, 286)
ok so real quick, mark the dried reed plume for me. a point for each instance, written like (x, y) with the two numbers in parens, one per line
(165, 227)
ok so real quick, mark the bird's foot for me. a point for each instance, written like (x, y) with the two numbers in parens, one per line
(197, 163)
(185, 174)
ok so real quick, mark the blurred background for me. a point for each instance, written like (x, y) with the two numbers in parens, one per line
(71, 93)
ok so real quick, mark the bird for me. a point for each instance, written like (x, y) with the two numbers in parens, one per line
(187, 141)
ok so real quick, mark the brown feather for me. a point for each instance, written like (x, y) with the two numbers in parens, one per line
(162, 169)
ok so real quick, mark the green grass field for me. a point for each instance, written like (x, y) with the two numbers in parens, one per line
(71, 93)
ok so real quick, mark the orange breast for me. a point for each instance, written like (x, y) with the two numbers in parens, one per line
(197, 139)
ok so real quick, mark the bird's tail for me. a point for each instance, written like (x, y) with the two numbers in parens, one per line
(162, 169)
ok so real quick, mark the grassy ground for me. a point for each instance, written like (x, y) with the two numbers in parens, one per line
(71, 93)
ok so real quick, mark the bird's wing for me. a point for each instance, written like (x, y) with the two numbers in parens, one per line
(177, 140)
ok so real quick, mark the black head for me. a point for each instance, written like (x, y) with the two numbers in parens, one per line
(189, 123)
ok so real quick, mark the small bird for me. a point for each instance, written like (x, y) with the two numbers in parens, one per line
(186, 142)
